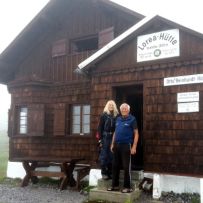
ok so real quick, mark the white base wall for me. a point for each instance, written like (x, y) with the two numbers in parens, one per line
(15, 170)
(177, 184)
(94, 176)
(201, 190)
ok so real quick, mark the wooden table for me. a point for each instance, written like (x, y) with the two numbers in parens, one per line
(66, 174)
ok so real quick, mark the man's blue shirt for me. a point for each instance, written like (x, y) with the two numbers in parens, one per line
(124, 132)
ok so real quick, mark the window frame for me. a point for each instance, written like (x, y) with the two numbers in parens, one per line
(19, 120)
(81, 124)
(80, 39)
(35, 120)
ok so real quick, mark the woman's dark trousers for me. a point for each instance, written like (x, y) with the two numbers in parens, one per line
(106, 155)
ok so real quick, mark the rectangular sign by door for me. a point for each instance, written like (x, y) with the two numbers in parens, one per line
(183, 80)
(158, 45)
(188, 107)
(188, 97)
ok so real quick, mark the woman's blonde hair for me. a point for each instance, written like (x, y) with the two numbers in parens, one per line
(115, 110)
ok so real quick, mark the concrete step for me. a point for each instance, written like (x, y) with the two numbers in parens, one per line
(135, 175)
(104, 184)
(116, 197)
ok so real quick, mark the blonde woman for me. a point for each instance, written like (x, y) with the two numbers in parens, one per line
(106, 129)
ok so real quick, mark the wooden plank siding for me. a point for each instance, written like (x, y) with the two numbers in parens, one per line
(173, 141)
(57, 131)
(49, 87)
(22, 148)
(89, 19)
(57, 69)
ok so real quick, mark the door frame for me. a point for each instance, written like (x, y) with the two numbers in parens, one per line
(139, 87)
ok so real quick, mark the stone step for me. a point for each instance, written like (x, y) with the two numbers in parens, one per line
(117, 197)
(135, 175)
(104, 184)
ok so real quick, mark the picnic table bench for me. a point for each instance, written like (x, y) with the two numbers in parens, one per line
(67, 167)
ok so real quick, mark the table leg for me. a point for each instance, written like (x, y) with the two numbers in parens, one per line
(68, 179)
(28, 169)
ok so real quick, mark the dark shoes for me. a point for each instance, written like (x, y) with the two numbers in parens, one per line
(113, 189)
(124, 190)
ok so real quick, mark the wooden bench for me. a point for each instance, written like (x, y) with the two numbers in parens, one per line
(67, 167)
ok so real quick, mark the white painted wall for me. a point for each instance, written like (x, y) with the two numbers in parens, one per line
(15, 170)
(180, 184)
(156, 193)
(177, 184)
(94, 176)
(201, 190)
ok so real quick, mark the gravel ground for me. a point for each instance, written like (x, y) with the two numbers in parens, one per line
(38, 194)
(11, 192)
(46, 194)
(170, 197)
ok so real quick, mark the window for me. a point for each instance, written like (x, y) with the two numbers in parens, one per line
(84, 44)
(23, 117)
(28, 120)
(81, 119)
(92, 42)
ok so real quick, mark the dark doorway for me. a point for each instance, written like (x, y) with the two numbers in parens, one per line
(133, 95)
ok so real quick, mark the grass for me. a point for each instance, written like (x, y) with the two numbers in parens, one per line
(10, 181)
(3, 153)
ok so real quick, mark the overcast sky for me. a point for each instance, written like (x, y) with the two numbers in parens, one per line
(16, 14)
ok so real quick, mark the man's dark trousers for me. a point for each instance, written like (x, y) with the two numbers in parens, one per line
(121, 158)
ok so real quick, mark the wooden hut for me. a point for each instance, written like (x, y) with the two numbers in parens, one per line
(50, 118)
(60, 75)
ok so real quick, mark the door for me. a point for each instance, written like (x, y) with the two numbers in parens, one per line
(133, 95)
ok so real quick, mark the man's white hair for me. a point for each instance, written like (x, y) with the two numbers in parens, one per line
(124, 105)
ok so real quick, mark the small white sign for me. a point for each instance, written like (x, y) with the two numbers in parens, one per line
(158, 45)
(182, 80)
(188, 97)
(188, 107)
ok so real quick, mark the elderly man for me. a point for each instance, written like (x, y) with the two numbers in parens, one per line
(124, 143)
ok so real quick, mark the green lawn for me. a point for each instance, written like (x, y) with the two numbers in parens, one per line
(3, 153)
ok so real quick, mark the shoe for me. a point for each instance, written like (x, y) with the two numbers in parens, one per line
(126, 190)
(113, 189)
